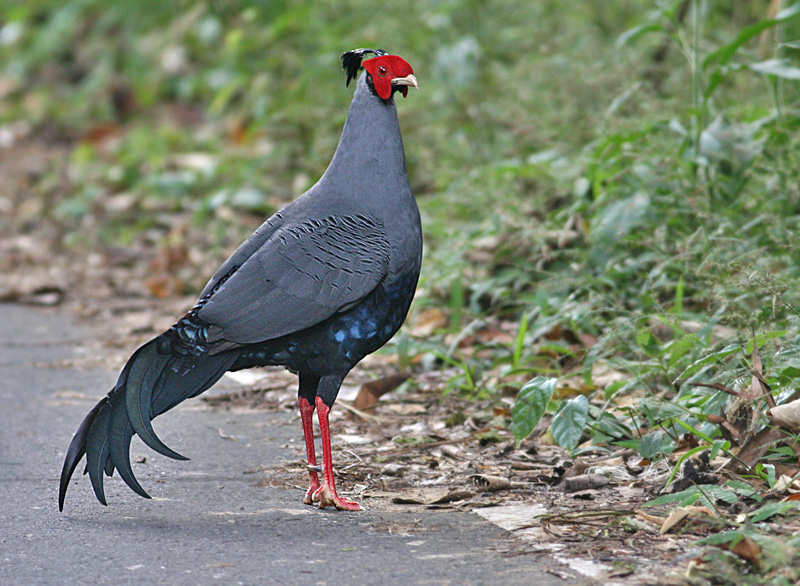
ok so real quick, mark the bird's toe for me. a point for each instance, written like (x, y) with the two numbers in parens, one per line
(328, 498)
(312, 494)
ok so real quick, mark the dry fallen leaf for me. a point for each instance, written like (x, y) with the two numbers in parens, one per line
(164, 286)
(682, 513)
(371, 391)
(585, 495)
(428, 321)
(603, 375)
(758, 386)
(787, 415)
(782, 484)
(420, 496)
(491, 483)
(405, 409)
(491, 335)
(747, 549)
(453, 496)
(756, 447)
(45, 295)
(585, 482)
(655, 519)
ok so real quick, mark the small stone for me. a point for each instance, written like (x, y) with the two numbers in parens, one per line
(393, 470)
(451, 451)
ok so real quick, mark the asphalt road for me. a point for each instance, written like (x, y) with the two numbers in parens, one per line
(209, 522)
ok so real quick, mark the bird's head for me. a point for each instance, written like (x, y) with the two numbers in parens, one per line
(385, 73)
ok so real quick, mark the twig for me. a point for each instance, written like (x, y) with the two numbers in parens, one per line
(352, 453)
(710, 501)
(718, 387)
(365, 416)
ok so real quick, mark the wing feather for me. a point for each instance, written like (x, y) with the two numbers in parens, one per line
(299, 277)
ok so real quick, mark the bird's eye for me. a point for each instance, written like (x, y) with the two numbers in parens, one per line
(382, 71)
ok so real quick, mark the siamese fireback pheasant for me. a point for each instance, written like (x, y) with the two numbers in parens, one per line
(325, 281)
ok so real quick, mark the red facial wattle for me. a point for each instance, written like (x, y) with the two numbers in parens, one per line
(386, 69)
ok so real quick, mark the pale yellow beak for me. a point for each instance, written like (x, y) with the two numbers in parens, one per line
(407, 80)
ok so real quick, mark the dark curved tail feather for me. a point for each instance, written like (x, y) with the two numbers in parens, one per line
(150, 384)
(76, 450)
(145, 373)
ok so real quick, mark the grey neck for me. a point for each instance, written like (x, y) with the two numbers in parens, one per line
(370, 150)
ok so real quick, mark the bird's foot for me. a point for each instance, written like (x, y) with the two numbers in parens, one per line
(327, 497)
(312, 494)
(313, 485)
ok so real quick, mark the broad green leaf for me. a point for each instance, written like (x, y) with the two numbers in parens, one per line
(722, 55)
(609, 425)
(631, 444)
(787, 13)
(742, 488)
(718, 445)
(530, 405)
(718, 493)
(694, 430)
(520, 342)
(784, 452)
(618, 219)
(678, 348)
(717, 76)
(680, 462)
(636, 32)
(767, 473)
(762, 338)
(675, 497)
(777, 67)
(647, 342)
(772, 509)
(695, 493)
(570, 421)
(657, 410)
(613, 388)
(650, 445)
(692, 499)
(787, 361)
(712, 358)
(677, 307)
(727, 537)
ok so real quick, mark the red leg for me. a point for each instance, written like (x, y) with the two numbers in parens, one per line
(306, 414)
(327, 492)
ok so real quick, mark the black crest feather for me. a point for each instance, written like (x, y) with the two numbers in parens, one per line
(351, 61)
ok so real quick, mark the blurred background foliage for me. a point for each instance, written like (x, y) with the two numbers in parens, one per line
(609, 188)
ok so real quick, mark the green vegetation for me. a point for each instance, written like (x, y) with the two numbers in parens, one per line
(610, 190)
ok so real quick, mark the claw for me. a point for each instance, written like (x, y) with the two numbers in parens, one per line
(328, 498)
(312, 494)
